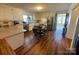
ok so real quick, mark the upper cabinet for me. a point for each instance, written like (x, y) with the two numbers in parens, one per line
(10, 13)
(1, 13)
(17, 14)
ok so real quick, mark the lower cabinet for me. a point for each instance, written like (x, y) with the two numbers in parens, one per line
(16, 41)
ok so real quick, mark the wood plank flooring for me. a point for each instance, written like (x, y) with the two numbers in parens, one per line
(53, 44)
(5, 48)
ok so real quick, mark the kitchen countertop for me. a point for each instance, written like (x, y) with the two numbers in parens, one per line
(10, 31)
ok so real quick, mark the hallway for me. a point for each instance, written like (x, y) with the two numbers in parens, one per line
(54, 44)
(58, 33)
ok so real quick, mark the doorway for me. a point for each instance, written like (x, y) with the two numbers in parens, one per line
(60, 25)
(75, 41)
(60, 21)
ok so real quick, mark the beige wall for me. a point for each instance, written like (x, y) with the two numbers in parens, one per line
(70, 33)
(43, 16)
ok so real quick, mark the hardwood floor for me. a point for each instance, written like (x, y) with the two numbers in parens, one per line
(5, 48)
(53, 44)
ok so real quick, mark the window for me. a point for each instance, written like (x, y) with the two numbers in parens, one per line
(61, 20)
(27, 19)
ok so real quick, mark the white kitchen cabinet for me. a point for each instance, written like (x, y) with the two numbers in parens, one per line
(8, 13)
(1, 13)
(16, 41)
(30, 27)
(17, 14)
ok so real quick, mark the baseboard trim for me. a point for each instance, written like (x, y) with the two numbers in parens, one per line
(69, 38)
(21, 47)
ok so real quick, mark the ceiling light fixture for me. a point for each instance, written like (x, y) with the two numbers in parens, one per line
(39, 8)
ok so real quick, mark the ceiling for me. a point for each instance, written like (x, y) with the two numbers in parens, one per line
(31, 7)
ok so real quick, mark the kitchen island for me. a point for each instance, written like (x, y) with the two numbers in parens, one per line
(11, 38)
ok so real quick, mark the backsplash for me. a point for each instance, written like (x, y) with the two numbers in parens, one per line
(9, 23)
